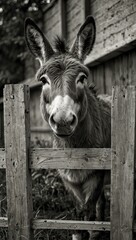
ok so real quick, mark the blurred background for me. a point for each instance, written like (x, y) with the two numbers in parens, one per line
(112, 61)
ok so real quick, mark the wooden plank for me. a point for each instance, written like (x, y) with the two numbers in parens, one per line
(117, 71)
(85, 9)
(108, 73)
(3, 222)
(99, 78)
(1, 100)
(62, 15)
(2, 158)
(60, 224)
(123, 155)
(18, 178)
(77, 158)
(57, 158)
(134, 228)
(40, 130)
(70, 225)
(106, 54)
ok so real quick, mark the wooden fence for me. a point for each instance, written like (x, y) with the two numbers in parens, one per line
(18, 159)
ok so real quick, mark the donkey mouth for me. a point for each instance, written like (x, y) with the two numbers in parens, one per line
(60, 135)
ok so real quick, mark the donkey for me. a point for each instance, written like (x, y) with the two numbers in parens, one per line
(77, 116)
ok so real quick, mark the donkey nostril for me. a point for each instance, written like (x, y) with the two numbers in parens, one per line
(73, 120)
(52, 121)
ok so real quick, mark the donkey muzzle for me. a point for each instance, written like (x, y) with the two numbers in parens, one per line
(62, 125)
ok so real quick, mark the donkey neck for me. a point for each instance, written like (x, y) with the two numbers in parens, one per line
(93, 130)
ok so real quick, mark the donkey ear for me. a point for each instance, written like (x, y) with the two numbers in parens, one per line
(85, 39)
(36, 41)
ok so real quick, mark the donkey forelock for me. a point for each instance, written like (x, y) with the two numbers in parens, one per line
(60, 45)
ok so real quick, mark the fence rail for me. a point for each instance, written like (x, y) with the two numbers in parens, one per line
(18, 159)
(89, 158)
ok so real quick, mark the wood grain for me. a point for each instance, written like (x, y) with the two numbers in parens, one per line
(2, 158)
(77, 158)
(18, 178)
(59, 224)
(3, 222)
(43, 158)
(70, 225)
(123, 155)
(62, 15)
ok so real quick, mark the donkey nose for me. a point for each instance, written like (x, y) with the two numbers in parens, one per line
(61, 121)
(73, 120)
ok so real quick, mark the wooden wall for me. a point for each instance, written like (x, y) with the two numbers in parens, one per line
(74, 18)
(51, 24)
(116, 71)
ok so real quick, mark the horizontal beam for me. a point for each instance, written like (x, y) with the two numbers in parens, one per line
(70, 225)
(107, 53)
(87, 158)
(2, 158)
(65, 224)
(75, 158)
(40, 130)
(3, 222)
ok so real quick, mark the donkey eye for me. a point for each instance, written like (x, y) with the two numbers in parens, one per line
(82, 79)
(44, 80)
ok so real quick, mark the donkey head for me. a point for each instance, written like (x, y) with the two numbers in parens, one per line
(64, 76)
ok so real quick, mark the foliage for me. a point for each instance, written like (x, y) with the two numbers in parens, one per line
(51, 201)
(12, 44)
(3, 202)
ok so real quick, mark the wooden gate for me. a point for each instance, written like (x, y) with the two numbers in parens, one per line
(18, 159)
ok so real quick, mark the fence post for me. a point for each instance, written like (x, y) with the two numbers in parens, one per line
(123, 155)
(17, 141)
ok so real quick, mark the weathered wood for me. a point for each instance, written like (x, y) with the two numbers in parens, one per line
(115, 25)
(18, 178)
(39, 223)
(77, 158)
(123, 155)
(85, 9)
(118, 71)
(63, 25)
(40, 130)
(109, 53)
(99, 79)
(70, 225)
(57, 158)
(2, 158)
(3, 222)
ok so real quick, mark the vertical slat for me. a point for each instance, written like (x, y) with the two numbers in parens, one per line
(123, 155)
(17, 138)
(63, 25)
(85, 9)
